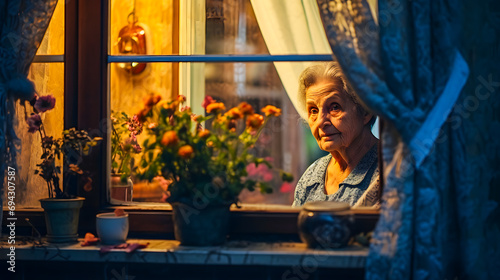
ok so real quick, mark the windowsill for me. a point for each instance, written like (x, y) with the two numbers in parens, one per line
(239, 253)
(147, 222)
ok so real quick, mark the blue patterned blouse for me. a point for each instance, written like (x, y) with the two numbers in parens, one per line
(360, 188)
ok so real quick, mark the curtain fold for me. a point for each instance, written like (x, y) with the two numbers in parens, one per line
(423, 68)
(22, 26)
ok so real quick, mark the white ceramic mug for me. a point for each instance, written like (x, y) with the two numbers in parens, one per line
(112, 229)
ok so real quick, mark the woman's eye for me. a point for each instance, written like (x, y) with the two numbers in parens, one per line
(334, 107)
(313, 111)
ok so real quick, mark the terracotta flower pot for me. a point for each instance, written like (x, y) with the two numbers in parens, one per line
(61, 218)
(120, 190)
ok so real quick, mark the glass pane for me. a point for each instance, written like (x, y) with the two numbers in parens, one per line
(231, 28)
(48, 79)
(149, 32)
(53, 41)
(286, 139)
(216, 27)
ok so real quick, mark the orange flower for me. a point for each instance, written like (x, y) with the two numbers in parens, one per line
(181, 98)
(119, 212)
(88, 185)
(169, 138)
(186, 151)
(246, 108)
(152, 125)
(271, 110)
(216, 106)
(234, 114)
(171, 105)
(204, 133)
(75, 168)
(141, 116)
(90, 239)
(255, 121)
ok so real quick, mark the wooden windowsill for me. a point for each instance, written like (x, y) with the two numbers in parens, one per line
(239, 253)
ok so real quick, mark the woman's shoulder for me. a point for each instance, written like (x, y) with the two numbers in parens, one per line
(311, 180)
(315, 172)
(320, 163)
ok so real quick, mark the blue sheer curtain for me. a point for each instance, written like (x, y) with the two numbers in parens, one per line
(22, 26)
(424, 68)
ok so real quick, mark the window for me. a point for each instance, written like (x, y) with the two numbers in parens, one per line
(227, 42)
(89, 62)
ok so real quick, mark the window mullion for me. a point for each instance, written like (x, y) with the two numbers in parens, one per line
(219, 58)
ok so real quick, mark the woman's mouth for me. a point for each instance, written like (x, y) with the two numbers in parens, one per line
(330, 135)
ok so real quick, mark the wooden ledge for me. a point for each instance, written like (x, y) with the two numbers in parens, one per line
(239, 253)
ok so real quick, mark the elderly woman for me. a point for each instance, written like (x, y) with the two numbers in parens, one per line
(342, 127)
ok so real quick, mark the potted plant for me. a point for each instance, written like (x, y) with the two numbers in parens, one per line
(124, 146)
(206, 167)
(62, 205)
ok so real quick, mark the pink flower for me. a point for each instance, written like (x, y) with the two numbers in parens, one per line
(261, 172)
(208, 100)
(45, 103)
(137, 149)
(34, 123)
(164, 184)
(251, 169)
(134, 126)
(185, 108)
(267, 175)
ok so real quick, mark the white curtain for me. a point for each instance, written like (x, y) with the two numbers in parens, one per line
(192, 42)
(295, 27)
(291, 27)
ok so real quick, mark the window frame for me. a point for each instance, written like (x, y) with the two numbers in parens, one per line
(86, 78)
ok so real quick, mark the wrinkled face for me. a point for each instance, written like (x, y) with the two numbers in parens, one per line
(333, 117)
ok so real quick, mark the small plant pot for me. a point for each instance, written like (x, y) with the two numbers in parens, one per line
(112, 229)
(61, 218)
(120, 190)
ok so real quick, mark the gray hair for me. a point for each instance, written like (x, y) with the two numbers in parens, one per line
(328, 71)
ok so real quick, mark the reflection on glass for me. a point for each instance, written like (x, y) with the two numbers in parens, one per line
(342, 126)
(132, 40)
(222, 27)
(230, 27)
(155, 19)
(284, 140)
(48, 79)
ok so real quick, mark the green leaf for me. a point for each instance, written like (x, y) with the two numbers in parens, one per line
(285, 176)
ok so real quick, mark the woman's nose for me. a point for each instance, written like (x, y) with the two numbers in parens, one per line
(323, 118)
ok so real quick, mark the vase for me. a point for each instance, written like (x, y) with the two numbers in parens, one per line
(61, 218)
(120, 190)
(112, 229)
(205, 226)
(325, 224)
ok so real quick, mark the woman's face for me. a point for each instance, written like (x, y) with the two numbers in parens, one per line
(333, 117)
